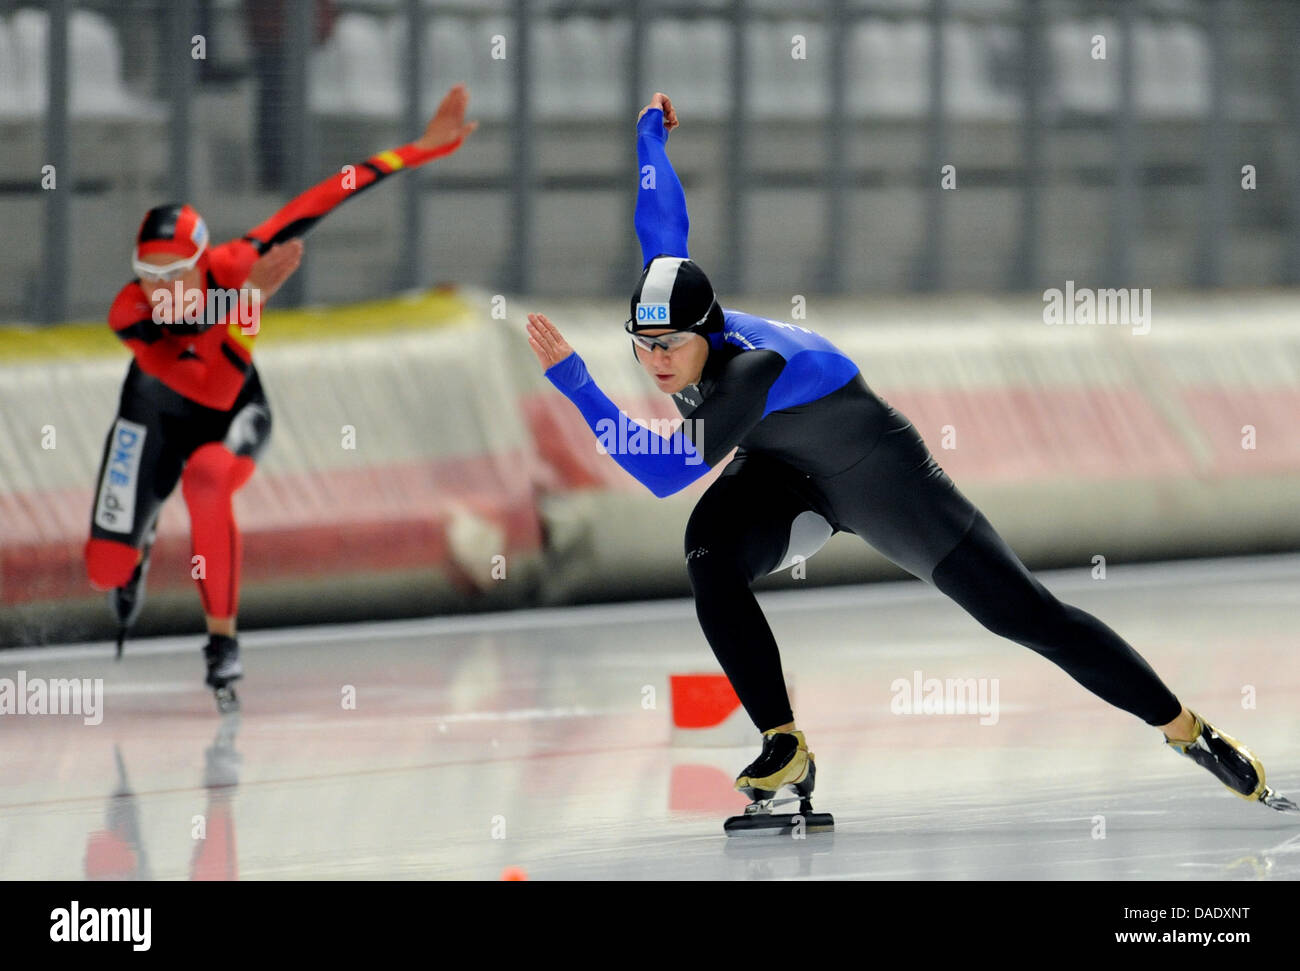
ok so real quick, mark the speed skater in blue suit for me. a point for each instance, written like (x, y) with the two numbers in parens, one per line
(818, 452)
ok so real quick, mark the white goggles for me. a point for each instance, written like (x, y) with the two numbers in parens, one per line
(669, 342)
(167, 272)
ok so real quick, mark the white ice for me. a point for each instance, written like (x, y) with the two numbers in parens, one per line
(523, 739)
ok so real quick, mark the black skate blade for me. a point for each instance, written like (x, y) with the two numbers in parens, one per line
(778, 824)
(121, 640)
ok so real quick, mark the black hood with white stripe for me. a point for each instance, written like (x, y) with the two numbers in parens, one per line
(673, 293)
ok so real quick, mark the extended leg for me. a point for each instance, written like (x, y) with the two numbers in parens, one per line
(986, 578)
(213, 474)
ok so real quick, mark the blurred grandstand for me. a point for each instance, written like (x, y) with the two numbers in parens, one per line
(807, 174)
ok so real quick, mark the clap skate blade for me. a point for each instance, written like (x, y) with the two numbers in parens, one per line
(1232, 763)
(759, 820)
(227, 700)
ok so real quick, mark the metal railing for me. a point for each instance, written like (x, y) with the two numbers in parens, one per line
(1208, 150)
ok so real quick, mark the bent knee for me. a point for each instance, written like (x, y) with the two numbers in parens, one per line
(706, 557)
(109, 563)
(214, 472)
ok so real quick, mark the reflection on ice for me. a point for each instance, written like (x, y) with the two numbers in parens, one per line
(471, 745)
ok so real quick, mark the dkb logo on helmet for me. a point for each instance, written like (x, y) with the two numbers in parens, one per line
(652, 313)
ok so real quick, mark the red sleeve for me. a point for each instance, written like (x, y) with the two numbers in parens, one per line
(304, 210)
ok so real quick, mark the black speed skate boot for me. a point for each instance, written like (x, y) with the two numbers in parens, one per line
(224, 668)
(784, 761)
(127, 600)
(1236, 766)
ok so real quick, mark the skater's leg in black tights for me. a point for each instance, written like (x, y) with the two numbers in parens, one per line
(987, 579)
(739, 532)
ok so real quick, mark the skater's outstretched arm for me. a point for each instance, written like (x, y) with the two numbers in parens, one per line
(664, 467)
(737, 404)
(661, 221)
(442, 136)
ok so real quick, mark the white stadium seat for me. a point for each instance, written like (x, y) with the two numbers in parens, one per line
(970, 91)
(356, 71)
(12, 101)
(97, 89)
(449, 61)
(492, 80)
(888, 69)
(1173, 70)
(780, 84)
(692, 57)
(583, 69)
(1081, 84)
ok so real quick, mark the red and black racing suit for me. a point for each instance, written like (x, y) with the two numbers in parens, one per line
(192, 407)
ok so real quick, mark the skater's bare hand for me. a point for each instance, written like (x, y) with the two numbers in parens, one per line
(449, 123)
(664, 103)
(274, 267)
(546, 341)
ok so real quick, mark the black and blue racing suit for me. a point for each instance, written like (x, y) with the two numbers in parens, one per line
(817, 452)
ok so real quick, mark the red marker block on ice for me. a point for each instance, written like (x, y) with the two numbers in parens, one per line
(706, 711)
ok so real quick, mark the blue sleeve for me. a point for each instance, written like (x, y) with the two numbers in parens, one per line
(664, 466)
(661, 222)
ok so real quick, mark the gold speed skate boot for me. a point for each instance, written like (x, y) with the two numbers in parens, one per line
(784, 761)
(1232, 763)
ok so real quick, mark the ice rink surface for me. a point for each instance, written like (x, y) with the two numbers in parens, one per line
(542, 740)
